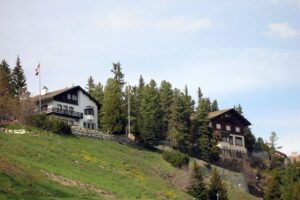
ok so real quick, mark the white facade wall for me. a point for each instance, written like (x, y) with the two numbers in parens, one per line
(83, 102)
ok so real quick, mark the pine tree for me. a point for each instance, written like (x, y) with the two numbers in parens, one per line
(118, 74)
(19, 80)
(214, 106)
(197, 187)
(150, 113)
(111, 112)
(239, 109)
(200, 95)
(139, 94)
(272, 191)
(90, 86)
(217, 188)
(203, 144)
(5, 78)
(166, 98)
(250, 139)
(178, 134)
(290, 188)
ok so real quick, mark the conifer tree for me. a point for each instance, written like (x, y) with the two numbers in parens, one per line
(111, 112)
(214, 106)
(176, 123)
(90, 86)
(272, 191)
(217, 188)
(290, 188)
(118, 74)
(150, 113)
(166, 98)
(197, 187)
(5, 78)
(239, 109)
(18, 80)
(139, 95)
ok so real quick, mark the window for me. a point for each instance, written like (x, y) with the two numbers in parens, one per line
(69, 96)
(71, 109)
(238, 141)
(84, 124)
(237, 129)
(71, 122)
(228, 128)
(88, 125)
(218, 126)
(74, 97)
(89, 111)
(65, 107)
(59, 106)
(93, 125)
(230, 140)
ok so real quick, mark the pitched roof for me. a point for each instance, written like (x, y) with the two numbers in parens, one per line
(214, 114)
(52, 94)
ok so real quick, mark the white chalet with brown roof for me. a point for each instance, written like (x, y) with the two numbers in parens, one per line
(72, 105)
(229, 126)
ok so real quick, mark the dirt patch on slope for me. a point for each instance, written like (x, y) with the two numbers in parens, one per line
(75, 183)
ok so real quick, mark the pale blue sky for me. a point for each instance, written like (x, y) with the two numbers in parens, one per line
(237, 51)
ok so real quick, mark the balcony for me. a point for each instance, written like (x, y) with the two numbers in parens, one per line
(63, 112)
(89, 117)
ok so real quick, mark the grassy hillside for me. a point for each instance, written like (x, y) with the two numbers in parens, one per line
(48, 166)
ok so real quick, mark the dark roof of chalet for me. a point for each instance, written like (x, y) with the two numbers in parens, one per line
(215, 114)
(51, 95)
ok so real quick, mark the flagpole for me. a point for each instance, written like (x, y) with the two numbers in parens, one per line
(128, 109)
(40, 101)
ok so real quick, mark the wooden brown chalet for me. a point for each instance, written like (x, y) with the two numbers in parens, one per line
(229, 126)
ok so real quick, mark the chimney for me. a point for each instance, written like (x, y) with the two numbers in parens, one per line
(44, 90)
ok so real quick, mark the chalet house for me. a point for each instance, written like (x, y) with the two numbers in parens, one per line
(72, 105)
(229, 125)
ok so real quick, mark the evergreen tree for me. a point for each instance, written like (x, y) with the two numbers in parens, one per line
(239, 109)
(90, 87)
(177, 131)
(150, 113)
(214, 106)
(250, 139)
(203, 135)
(166, 98)
(200, 95)
(290, 188)
(139, 95)
(217, 188)
(118, 74)
(272, 191)
(197, 187)
(18, 80)
(5, 78)
(111, 112)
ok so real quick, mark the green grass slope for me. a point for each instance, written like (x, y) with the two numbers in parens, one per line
(48, 166)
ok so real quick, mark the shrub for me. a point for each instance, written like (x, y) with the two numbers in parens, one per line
(176, 158)
(49, 124)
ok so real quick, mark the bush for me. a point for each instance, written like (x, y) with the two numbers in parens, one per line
(176, 158)
(49, 124)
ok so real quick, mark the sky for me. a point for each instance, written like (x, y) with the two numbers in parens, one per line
(238, 51)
